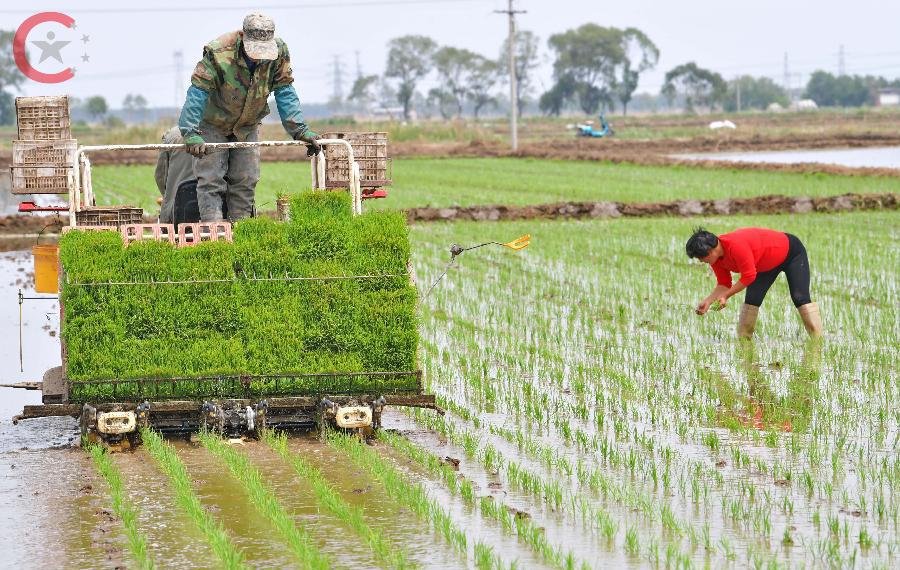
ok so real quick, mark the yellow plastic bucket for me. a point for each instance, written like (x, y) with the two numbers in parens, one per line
(46, 268)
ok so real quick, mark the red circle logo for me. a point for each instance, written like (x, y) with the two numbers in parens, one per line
(21, 57)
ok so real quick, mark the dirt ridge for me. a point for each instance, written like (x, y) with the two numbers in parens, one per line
(771, 204)
(28, 225)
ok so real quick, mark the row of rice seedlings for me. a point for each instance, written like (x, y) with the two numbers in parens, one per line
(167, 460)
(414, 497)
(299, 540)
(124, 509)
(389, 554)
(576, 505)
(489, 507)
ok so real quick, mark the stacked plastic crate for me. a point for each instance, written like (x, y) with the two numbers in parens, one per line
(44, 153)
(370, 151)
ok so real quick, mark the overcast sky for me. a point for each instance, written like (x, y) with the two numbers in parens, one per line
(130, 45)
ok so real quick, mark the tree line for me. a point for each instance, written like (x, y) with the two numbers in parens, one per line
(594, 68)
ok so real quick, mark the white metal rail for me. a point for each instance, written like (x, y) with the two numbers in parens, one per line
(82, 187)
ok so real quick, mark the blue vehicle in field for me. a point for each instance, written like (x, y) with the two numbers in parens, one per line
(587, 129)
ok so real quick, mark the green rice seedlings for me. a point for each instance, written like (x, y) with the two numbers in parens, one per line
(167, 460)
(632, 545)
(727, 549)
(488, 506)
(865, 539)
(787, 539)
(297, 538)
(399, 489)
(124, 509)
(331, 500)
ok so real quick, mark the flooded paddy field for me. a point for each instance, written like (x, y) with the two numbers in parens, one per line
(592, 421)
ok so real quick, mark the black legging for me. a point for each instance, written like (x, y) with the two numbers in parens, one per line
(796, 269)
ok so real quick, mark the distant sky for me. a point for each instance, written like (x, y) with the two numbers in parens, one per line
(130, 45)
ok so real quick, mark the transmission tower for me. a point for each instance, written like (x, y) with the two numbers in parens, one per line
(787, 76)
(338, 81)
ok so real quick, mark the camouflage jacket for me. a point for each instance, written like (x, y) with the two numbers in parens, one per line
(237, 97)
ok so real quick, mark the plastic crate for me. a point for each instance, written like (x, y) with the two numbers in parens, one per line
(41, 179)
(111, 216)
(369, 151)
(43, 118)
(44, 153)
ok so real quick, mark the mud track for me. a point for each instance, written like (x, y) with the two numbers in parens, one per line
(773, 204)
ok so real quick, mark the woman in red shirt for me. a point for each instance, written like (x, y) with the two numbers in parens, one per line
(759, 255)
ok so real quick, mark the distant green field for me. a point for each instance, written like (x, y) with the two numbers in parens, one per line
(519, 181)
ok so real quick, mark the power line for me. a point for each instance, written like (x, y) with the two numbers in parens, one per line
(303, 6)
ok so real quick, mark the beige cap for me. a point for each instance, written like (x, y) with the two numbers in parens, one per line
(259, 37)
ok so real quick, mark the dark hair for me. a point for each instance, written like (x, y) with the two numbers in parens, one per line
(700, 243)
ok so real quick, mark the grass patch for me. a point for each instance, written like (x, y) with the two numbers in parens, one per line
(390, 555)
(519, 181)
(225, 316)
(124, 509)
(299, 541)
(167, 460)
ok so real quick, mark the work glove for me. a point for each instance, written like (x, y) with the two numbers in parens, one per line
(195, 145)
(310, 138)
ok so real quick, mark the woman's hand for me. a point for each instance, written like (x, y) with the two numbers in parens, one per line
(703, 306)
(719, 303)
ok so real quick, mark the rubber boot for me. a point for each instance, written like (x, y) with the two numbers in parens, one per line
(812, 320)
(747, 321)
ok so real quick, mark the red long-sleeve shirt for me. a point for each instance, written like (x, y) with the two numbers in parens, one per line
(749, 251)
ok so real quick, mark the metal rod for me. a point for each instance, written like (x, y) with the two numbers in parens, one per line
(21, 358)
(76, 187)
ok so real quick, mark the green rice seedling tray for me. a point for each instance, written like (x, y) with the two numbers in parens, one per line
(319, 304)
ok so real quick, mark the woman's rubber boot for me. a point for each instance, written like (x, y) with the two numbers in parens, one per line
(812, 320)
(747, 321)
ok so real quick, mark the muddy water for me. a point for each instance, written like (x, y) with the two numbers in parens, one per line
(51, 500)
(56, 513)
(886, 157)
(173, 539)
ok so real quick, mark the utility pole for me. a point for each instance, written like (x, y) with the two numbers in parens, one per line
(737, 92)
(358, 66)
(841, 67)
(178, 61)
(513, 86)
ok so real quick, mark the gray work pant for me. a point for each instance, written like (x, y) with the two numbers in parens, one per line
(226, 176)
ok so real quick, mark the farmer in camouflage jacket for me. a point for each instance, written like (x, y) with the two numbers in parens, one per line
(226, 102)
